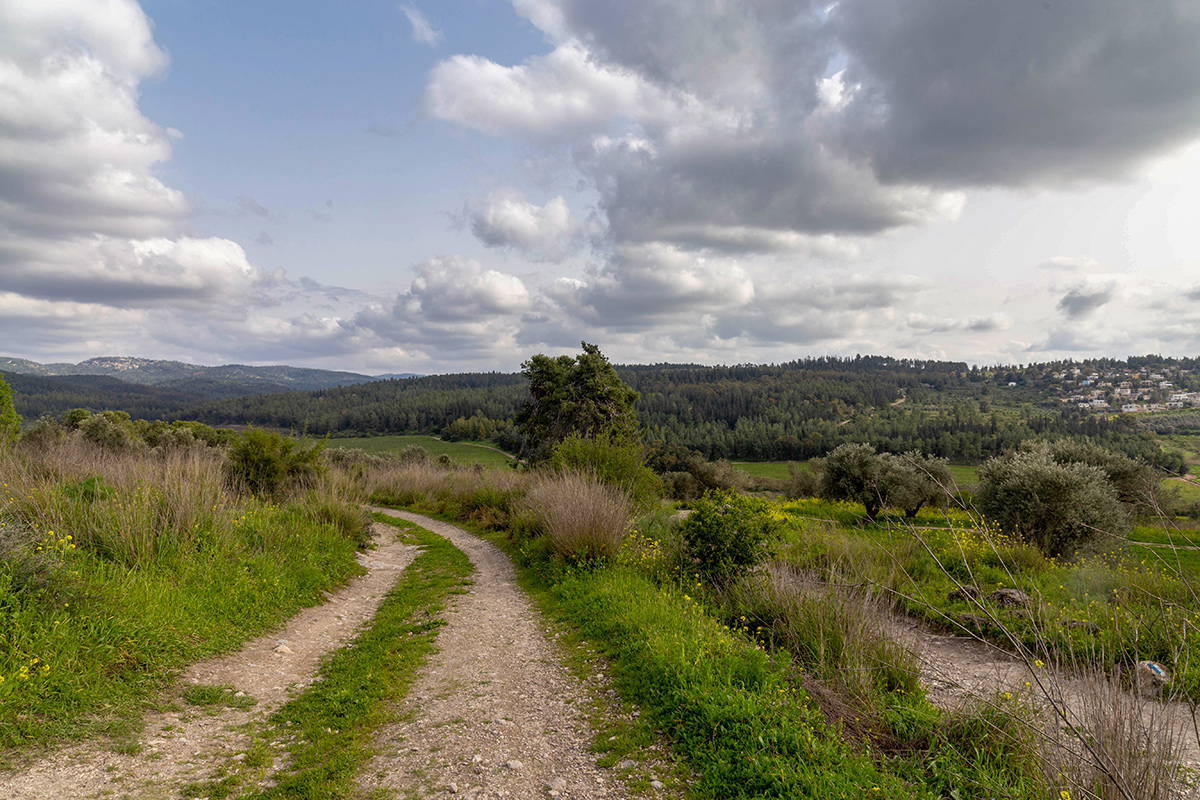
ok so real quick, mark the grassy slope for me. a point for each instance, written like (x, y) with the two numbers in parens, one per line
(461, 452)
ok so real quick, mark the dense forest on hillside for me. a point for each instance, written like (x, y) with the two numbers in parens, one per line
(37, 396)
(791, 411)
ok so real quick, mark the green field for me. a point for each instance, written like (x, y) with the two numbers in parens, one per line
(765, 469)
(963, 475)
(461, 452)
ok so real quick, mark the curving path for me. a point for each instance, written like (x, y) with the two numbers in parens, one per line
(493, 713)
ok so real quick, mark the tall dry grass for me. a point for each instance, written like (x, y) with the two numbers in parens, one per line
(130, 507)
(1103, 740)
(585, 518)
(837, 633)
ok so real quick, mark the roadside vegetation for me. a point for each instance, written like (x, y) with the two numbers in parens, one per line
(121, 562)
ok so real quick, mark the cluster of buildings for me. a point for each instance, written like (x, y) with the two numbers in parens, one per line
(1127, 390)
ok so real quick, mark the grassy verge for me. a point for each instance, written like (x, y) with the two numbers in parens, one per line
(118, 570)
(331, 726)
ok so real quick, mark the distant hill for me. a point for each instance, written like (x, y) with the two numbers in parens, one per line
(230, 380)
(35, 396)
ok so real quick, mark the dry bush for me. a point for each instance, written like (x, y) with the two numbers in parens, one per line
(585, 518)
(1104, 741)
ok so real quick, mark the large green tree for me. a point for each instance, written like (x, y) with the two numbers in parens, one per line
(581, 395)
(10, 421)
(1059, 507)
(855, 473)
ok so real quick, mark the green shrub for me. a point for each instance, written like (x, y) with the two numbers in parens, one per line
(10, 421)
(617, 463)
(727, 533)
(269, 465)
(109, 430)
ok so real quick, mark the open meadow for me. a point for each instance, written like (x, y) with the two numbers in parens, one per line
(464, 453)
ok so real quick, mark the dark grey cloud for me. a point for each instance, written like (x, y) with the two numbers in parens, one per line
(1020, 92)
(724, 50)
(1082, 301)
(721, 126)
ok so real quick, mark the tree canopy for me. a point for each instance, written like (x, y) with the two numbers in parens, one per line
(1058, 505)
(581, 395)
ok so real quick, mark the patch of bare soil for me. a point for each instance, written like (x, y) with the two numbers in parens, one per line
(493, 713)
(182, 746)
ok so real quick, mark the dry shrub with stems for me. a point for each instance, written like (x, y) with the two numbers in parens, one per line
(1105, 741)
(585, 518)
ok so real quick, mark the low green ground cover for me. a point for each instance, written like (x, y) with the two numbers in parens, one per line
(461, 452)
(117, 570)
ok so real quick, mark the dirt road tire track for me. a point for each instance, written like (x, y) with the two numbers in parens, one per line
(184, 746)
(494, 713)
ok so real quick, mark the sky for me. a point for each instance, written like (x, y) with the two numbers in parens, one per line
(454, 186)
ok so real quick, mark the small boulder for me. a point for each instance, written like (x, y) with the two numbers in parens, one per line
(1010, 598)
(1150, 677)
(1083, 624)
(513, 764)
(966, 592)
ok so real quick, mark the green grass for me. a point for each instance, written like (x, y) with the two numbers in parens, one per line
(89, 638)
(1188, 492)
(1143, 599)
(461, 452)
(765, 469)
(963, 475)
(330, 728)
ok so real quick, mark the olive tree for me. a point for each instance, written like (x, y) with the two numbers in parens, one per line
(1059, 507)
(914, 480)
(854, 472)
